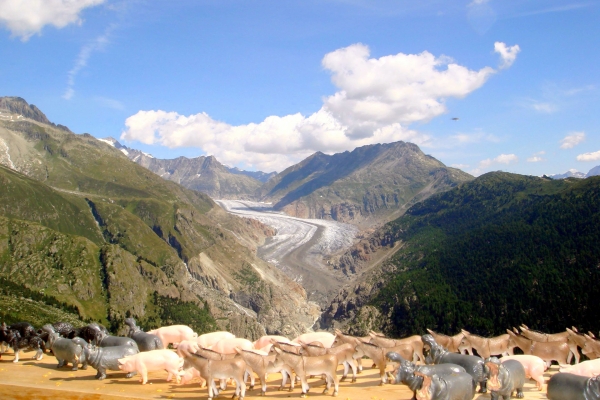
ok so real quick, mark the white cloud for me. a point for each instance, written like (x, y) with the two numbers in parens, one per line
(83, 58)
(572, 140)
(377, 99)
(478, 137)
(501, 159)
(24, 18)
(460, 166)
(508, 54)
(595, 156)
(401, 88)
(536, 157)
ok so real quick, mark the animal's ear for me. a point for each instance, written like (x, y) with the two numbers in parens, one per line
(238, 350)
(464, 332)
(574, 329)
(121, 361)
(524, 327)
(277, 350)
(515, 330)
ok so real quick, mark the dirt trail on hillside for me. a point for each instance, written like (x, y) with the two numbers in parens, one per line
(42, 380)
(299, 247)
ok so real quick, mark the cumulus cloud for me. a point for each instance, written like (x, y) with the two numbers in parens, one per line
(24, 18)
(595, 156)
(377, 99)
(501, 159)
(572, 140)
(508, 54)
(537, 157)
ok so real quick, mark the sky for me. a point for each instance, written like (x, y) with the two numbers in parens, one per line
(481, 85)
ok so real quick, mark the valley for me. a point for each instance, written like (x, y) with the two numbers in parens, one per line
(300, 246)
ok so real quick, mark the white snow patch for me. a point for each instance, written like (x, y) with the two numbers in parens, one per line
(124, 152)
(10, 163)
(110, 142)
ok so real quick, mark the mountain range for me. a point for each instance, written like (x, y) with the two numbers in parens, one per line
(573, 173)
(86, 231)
(367, 186)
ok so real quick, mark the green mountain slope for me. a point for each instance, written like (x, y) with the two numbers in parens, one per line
(493, 253)
(83, 224)
(366, 186)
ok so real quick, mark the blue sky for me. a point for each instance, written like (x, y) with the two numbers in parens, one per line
(263, 84)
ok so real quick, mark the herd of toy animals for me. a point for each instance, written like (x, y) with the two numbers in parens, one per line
(448, 373)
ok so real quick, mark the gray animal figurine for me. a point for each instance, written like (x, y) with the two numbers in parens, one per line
(104, 340)
(504, 378)
(88, 332)
(472, 364)
(106, 358)
(565, 386)
(457, 386)
(145, 341)
(68, 351)
(405, 372)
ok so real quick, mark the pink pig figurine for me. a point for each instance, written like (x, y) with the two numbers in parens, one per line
(154, 360)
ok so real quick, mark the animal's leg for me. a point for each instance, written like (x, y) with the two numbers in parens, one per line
(382, 373)
(540, 382)
(305, 386)
(39, 354)
(336, 384)
(353, 366)
(483, 386)
(252, 380)
(283, 379)
(328, 380)
(569, 357)
(242, 391)
(263, 381)
(359, 362)
(143, 374)
(520, 394)
(345, 371)
(16, 355)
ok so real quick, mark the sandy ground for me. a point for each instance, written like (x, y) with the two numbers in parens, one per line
(31, 379)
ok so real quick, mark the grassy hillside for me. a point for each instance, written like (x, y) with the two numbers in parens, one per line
(85, 226)
(493, 253)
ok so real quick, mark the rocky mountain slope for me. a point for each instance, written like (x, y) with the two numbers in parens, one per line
(492, 253)
(369, 185)
(82, 224)
(204, 174)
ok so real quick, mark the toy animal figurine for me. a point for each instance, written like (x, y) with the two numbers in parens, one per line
(504, 378)
(565, 386)
(145, 341)
(107, 358)
(104, 340)
(472, 364)
(68, 351)
(406, 371)
(449, 387)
